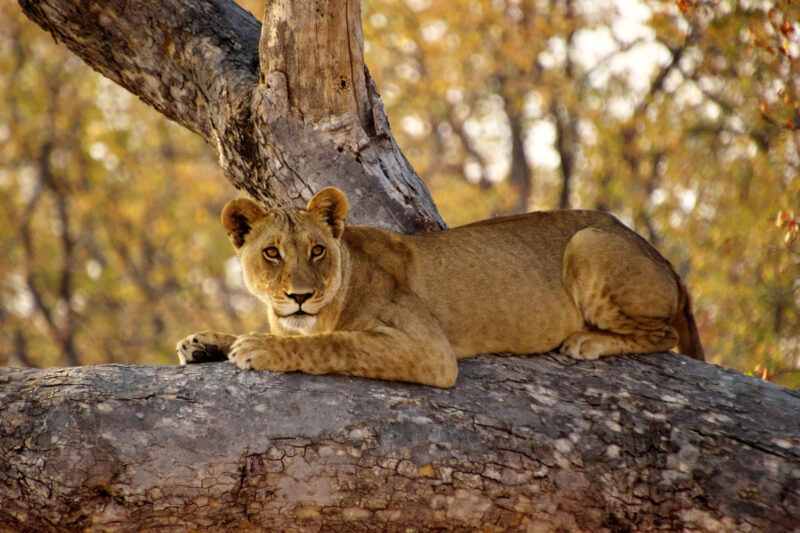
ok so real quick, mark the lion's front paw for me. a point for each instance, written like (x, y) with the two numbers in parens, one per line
(204, 347)
(245, 348)
(259, 352)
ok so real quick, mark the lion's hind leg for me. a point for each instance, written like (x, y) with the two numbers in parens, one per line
(594, 344)
(627, 294)
(204, 347)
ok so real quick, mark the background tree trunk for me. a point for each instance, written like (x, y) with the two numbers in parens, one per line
(288, 116)
(656, 442)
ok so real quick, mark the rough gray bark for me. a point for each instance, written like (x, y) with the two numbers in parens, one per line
(645, 443)
(289, 106)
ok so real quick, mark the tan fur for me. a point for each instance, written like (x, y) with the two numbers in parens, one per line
(385, 305)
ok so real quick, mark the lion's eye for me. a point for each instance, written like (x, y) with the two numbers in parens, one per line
(317, 251)
(272, 253)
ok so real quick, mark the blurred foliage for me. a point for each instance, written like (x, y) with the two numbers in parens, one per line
(679, 117)
(109, 235)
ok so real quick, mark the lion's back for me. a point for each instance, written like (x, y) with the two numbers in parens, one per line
(481, 281)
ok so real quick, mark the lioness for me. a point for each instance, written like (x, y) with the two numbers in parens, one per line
(370, 302)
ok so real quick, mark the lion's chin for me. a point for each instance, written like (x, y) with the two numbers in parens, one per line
(301, 323)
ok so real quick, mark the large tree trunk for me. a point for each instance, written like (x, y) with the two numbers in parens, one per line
(288, 116)
(656, 442)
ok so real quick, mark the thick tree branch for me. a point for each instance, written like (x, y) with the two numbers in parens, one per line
(306, 117)
(645, 443)
(186, 59)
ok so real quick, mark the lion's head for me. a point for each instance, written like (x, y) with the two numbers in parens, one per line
(291, 258)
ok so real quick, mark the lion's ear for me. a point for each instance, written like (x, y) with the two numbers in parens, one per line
(238, 218)
(331, 206)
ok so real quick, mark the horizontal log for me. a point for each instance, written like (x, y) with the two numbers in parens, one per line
(634, 443)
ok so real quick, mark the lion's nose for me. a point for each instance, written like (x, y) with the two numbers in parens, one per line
(300, 298)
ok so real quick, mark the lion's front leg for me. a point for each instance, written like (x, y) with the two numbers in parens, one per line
(389, 354)
(204, 347)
